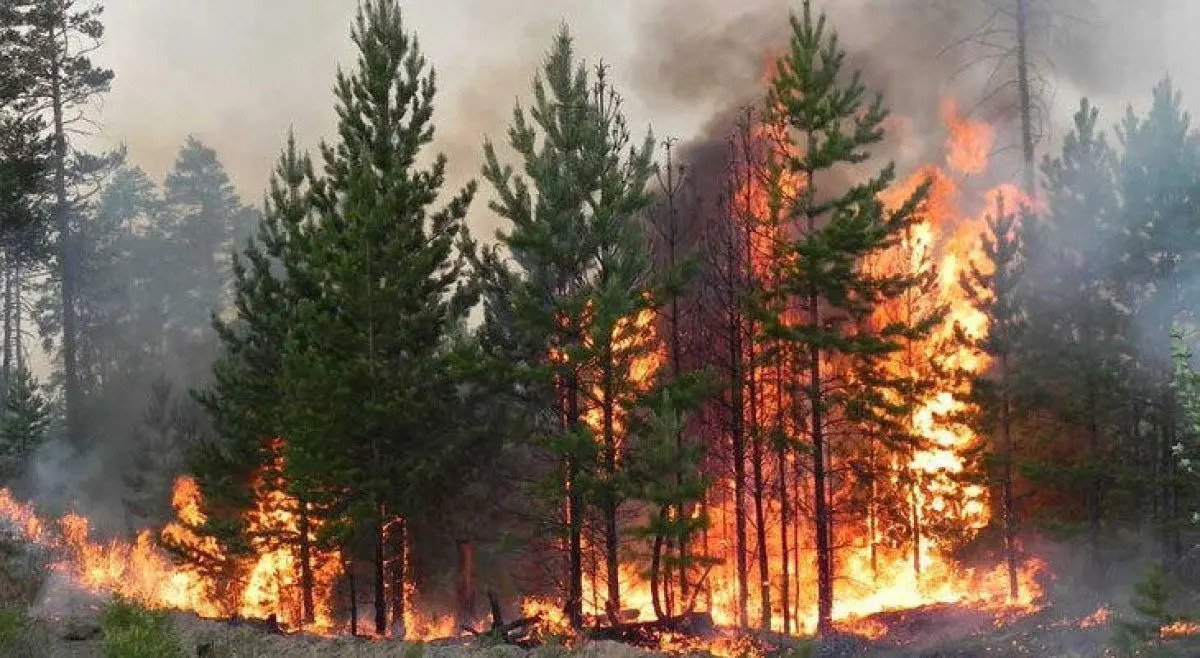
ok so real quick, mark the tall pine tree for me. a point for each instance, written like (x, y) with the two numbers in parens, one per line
(57, 42)
(833, 124)
(367, 363)
(577, 291)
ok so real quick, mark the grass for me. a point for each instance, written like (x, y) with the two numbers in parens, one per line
(13, 627)
(131, 631)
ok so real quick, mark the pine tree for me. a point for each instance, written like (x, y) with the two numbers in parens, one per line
(57, 40)
(120, 320)
(24, 180)
(25, 424)
(994, 287)
(902, 502)
(833, 126)
(1158, 175)
(580, 286)
(246, 399)
(204, 220)
(1079, 335)
(366, 364)
(24, 160)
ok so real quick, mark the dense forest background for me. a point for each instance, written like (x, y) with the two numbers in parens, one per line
(641, 344)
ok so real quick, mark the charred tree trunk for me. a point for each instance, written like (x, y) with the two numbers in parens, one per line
(352, 586)
(820, 497)
(872, 510)
(464, 591)
(1009, 520)
(739, 476)
(760, 519)
(379, 571)
(656, 594)
(612, 564)
(916, 523)
(784, 515)
(574, 603)
(308, 612)
(1094, 490)
(399, 576)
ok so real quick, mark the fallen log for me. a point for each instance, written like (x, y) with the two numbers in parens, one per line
(515, 632)
(648, 633)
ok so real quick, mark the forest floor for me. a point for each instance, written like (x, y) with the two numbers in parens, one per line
(936, 631)
(1074, 624)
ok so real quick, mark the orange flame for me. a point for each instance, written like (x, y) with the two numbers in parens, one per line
(261, 585)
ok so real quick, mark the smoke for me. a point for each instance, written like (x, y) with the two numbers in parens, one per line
(715, 55)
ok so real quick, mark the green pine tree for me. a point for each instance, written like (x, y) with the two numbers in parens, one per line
(369, 389)
(55, 44)
(246, 399)
(833, 125)
(204, 219)
(25, 424)
(995, 289)
(1078, 351)
(1158, 175)
(576, 300)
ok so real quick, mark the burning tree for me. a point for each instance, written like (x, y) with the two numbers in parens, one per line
(835, 230)
(579, 292)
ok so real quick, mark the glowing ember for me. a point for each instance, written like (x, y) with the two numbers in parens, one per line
(1180, 629)
(1100, 617)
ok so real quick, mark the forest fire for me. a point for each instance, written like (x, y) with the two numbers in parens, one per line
(902, 555)
(212, 582)
(899, 556)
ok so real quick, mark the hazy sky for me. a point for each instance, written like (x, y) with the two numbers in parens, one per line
(238, 73)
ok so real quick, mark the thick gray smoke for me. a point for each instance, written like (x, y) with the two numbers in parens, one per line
(917, 51)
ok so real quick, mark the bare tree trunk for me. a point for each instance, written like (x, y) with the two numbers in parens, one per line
(399, 576)
(69, 270)
(1009, 520)
(611, 538)
(574, 603)
(1166, 472)
(19, 310)
(308, 612)
(464, 592)
(8, 331)
(379, 566)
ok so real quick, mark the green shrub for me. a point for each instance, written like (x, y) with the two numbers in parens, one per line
(131, 631)
(13, 626)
